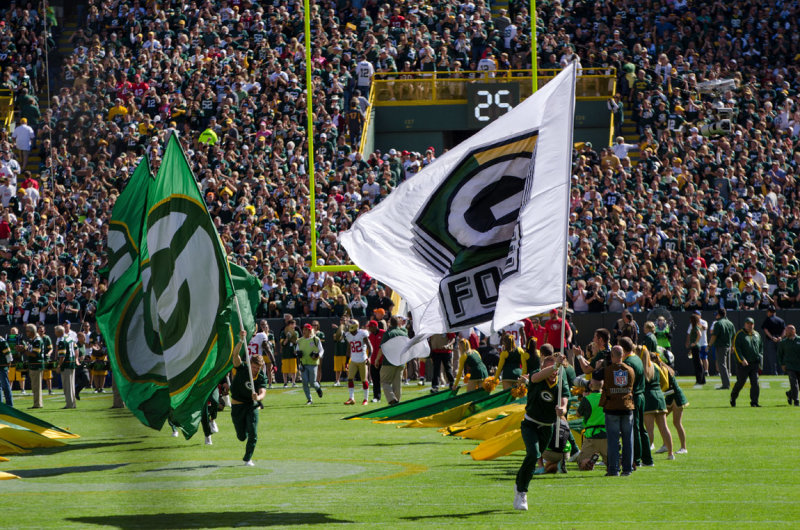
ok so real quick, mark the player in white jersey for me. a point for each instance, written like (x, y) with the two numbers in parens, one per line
(515, 329)
(360, 351)
(263, 345)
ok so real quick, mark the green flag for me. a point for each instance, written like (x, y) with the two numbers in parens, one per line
(189, 289)
(133, 347)
(168, 314)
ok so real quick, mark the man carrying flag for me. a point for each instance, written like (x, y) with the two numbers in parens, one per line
(482, 235)
(541, 412)
(247, 391)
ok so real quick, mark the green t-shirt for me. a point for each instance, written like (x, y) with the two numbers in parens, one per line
(723, 331)
(288, 347)
(602, 355)
(638, 373)
(542, 400)
(240, 385)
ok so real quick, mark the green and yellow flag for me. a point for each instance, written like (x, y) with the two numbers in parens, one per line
(174, 331)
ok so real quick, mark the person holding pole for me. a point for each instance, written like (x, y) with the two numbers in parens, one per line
(248, 388)
(541, 412)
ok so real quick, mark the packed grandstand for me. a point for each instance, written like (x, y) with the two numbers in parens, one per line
(690, 212)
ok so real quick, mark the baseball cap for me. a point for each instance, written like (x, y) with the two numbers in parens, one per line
(307, 326)
(749, 320)
(372, 323)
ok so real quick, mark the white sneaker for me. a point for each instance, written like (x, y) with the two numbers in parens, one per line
(652, 446)
(309, 402)
(681, 452)
(213, 426)
(375, 400)
(208, 441)
(174, 433)
(662, 449)
(520, 499)
(294, 385)
(671, 457)
(249, 463)
(337, 383)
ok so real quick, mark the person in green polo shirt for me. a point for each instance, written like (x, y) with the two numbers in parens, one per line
(311, 351)
(541, 412)
(789, 361)
(722, 333)
(246, 398)
(641, 439)
(748, 348)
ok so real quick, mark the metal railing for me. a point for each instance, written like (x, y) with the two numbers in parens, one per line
(6, 108)
(366, 143)
(449, 88)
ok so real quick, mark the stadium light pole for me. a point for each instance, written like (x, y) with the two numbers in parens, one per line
(534, 55)
(312, 188)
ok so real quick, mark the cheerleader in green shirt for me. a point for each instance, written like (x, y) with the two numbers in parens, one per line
(513, 362)
(655, 406)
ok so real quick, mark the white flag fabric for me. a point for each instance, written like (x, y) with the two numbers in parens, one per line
(399, 350)
(479, 237)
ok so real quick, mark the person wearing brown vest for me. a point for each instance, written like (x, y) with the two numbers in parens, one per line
(617, 403)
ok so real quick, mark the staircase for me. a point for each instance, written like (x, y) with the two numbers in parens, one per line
(631, 137)
(497, 5)
(68, 27)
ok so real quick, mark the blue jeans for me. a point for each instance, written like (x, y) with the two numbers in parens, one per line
(5, 387)
(309, 374)
(616, 426)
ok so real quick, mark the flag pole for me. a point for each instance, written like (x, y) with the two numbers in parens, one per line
(566, 250)
(534, 54)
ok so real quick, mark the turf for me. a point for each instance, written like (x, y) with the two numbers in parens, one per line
(314, 469)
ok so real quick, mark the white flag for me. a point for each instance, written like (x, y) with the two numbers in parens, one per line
(479, 237)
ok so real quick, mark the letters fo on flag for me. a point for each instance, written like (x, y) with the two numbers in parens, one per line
(479, 236)
(169, 324)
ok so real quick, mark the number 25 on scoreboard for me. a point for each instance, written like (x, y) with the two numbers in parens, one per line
(499, 102)
(486, 102)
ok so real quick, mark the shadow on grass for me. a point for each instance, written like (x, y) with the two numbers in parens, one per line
(76, 447)
(459, 515)
(400, 443)
(56, 471)
(175, 521)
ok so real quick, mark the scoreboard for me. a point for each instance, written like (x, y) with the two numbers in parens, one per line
(488, 101)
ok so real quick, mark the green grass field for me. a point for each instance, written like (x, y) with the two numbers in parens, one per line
(314, 469)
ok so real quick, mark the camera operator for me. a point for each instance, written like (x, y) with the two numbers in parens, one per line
(310, 349)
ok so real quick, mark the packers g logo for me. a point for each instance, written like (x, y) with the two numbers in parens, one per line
(469, 228)
(547, 396)
(183, 289)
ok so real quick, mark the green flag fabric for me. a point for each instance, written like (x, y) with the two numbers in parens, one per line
(441, 406)
(133, 346)
(404, 406)
(176, 329)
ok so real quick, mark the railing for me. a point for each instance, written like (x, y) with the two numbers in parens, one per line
(6, 108)
(449, 88)
(366, 144)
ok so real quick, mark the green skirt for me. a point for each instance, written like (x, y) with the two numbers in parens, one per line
(654, 401)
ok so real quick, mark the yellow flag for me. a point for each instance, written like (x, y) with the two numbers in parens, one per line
(502, 445)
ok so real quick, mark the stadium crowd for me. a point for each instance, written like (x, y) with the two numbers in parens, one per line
(702, 220)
